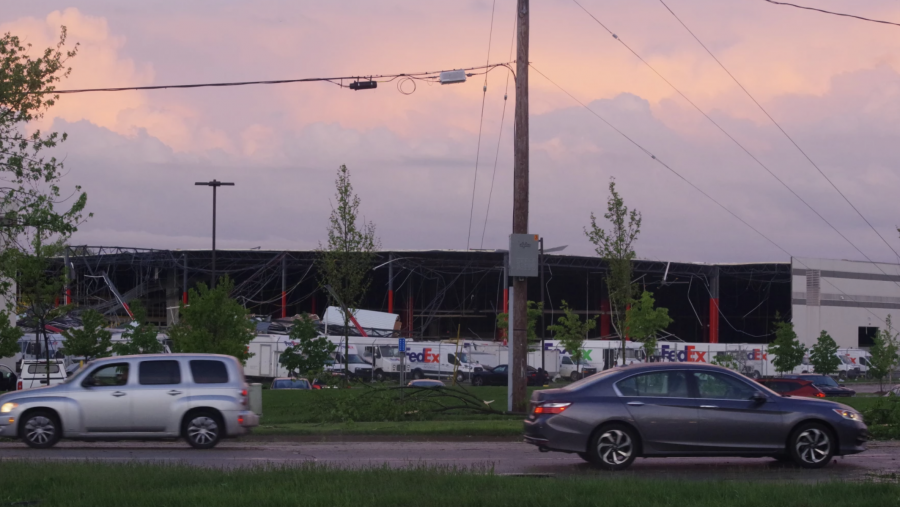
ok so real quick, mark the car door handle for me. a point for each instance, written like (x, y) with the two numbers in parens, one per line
(118, 394)
(708, 406)
(173, 393)
(635, 403)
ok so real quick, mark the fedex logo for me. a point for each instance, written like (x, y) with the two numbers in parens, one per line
(757, 355)
(424, 357)
(688, 355)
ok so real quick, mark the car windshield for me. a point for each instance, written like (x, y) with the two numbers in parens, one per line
(291, 384)
(355, 359)
(390, 351)
(863, 361)
(586, 381)
(845, 360)
(824, 380)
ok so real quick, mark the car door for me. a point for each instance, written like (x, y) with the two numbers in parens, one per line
(159, 396)
(498, 376)
(663, 410)
(103, 399)
(731, 420)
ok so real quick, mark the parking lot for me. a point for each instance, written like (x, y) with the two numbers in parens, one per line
(880, 462)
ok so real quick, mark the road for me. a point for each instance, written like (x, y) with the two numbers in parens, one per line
(882, 459)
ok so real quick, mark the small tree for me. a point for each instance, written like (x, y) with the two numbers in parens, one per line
(345, 262)
(823, 355)
(310, 352)
(643, 321)
(572, 332)
(616, 247)
(786, 348)
(139, 337)
(92, 341)
(884, 354)
(535, 310)
(213, 323)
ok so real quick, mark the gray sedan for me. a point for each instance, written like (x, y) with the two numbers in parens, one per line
(678, 409)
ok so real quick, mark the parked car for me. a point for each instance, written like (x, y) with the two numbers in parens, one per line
(291, 383)
(688, 409)
(199, 397)
(792, 387)
(35, 373)
(499, 376)
(430, 383)
(825, 383)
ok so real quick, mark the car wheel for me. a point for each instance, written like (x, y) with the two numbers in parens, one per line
(379, 375)
(755, 375)
(478, 381)
(812, 445)
(574, 376)
(459, 378)
(41, 429)
(203, 430)
(418, 375)
(585, 456)
(614, 447)
(842, 375)
(783, 458)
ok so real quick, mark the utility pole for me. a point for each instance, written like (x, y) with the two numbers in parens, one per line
(215, 185)
(519, 340)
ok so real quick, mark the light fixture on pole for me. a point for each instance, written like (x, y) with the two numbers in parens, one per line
(215, 184)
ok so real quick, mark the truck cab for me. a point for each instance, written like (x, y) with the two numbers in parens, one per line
(41, 373)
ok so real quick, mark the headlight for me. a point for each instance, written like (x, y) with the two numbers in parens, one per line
(8, 407)
(847, 414)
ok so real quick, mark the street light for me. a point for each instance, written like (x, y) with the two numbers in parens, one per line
(214, 184)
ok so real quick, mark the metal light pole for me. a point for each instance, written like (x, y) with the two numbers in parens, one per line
(215, 184)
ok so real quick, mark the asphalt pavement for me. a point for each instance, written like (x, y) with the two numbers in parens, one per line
(881, 461)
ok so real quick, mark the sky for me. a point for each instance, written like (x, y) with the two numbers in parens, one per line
(832, 84)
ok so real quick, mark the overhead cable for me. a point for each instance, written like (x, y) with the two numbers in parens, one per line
(833, 13)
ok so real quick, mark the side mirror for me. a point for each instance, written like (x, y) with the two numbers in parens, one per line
(759, 397)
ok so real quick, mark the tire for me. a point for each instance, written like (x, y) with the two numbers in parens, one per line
(613, 447)
(379, 375)
(202, 429)
(783, 458)
(842, 375)
(418, 375)
(585, 456)
(574, 376)
(459, 378)
(812, 445)
(755, 375)
(41, 429)
(478, 381)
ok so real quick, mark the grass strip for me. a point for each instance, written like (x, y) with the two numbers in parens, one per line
(491, 428)
(138, 485)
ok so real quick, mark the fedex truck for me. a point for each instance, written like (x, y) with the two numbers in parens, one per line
(441, 359)
(597, 355)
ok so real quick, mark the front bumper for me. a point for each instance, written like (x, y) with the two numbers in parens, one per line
(852, 437)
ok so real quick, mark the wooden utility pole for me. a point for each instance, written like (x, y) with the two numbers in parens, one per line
(519, 346)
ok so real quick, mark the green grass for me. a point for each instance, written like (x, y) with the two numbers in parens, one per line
(138, 485)
(462, 428)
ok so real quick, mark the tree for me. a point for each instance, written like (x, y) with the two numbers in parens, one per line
(616, 247)
(884, 353)
(823, 355)
(345, 262)
(535, 310)
(32, 229)
(572, 332)
(643, 321)
(310, 351)
(786, 348)
(213, 323)
(92, 341)
(139, 337)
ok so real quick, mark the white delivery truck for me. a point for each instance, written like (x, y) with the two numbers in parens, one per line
(858, 358)
(601, 354)
(440, 360)
(41, 373)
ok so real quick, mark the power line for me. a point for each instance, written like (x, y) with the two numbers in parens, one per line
(691, 184)
(499, 136)
(432, 76)
(741, 146)
(833, 13)
(480, 126)
(761, 108)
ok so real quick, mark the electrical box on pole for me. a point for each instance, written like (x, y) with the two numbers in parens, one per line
(524, 255)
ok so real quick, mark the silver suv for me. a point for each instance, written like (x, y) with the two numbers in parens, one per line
(201, 397)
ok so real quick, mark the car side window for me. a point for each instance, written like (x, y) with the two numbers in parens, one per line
(723, 387)
(664, 384)
(206, 371)
(153, 373)
(109, 375)
(500, 369)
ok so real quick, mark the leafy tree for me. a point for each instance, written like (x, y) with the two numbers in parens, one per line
(643, 321)
(32, 228)
(616, 247)
(345, 262)
(92, 341)
(535, 310)
(786, 348)
(140, 337)
(823, 355)
(308, 356)
(884, 353)
(572, 332)
(213, 323)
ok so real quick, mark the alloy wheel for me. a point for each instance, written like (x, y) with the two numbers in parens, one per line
(813, 446)
(203, 430)
(40, 430)
(614, 447)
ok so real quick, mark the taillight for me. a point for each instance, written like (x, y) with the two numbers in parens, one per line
(244, 397)
(20, 386)
(551, 408)
(240, 419)
(820, 395)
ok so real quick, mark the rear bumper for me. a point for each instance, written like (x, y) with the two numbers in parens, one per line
(239, 422)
